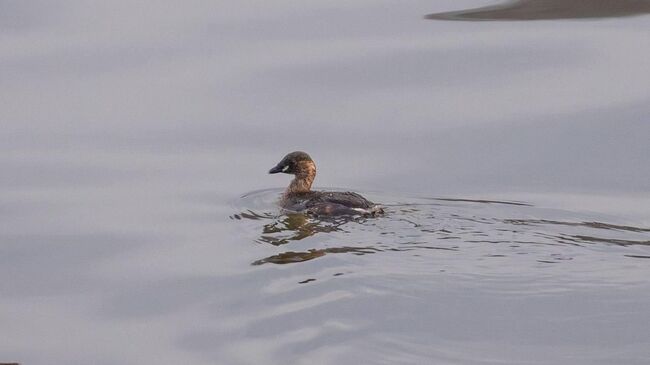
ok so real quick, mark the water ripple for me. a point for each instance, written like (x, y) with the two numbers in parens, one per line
(479, 228)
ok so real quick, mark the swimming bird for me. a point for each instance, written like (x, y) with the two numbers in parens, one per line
(299, 197)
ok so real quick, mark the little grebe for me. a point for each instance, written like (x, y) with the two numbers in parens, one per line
(300, 198)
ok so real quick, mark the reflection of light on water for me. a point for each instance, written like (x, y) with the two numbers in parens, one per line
(549, 9)
(479, 229)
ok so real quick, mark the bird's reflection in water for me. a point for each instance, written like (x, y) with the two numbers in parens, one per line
(549, 9)
(295, 227)
(290, 257)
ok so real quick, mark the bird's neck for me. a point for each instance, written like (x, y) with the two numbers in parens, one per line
(303, 180)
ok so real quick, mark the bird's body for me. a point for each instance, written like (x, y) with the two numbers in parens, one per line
(329, 203)
(299, 197)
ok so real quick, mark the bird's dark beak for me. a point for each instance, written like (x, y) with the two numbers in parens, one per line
(276, 169)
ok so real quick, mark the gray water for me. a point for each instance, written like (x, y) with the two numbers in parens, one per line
(139, 226)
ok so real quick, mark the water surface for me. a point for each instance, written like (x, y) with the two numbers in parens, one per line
(138, 223)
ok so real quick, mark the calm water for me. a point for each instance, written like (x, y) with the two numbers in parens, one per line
(138, 223)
